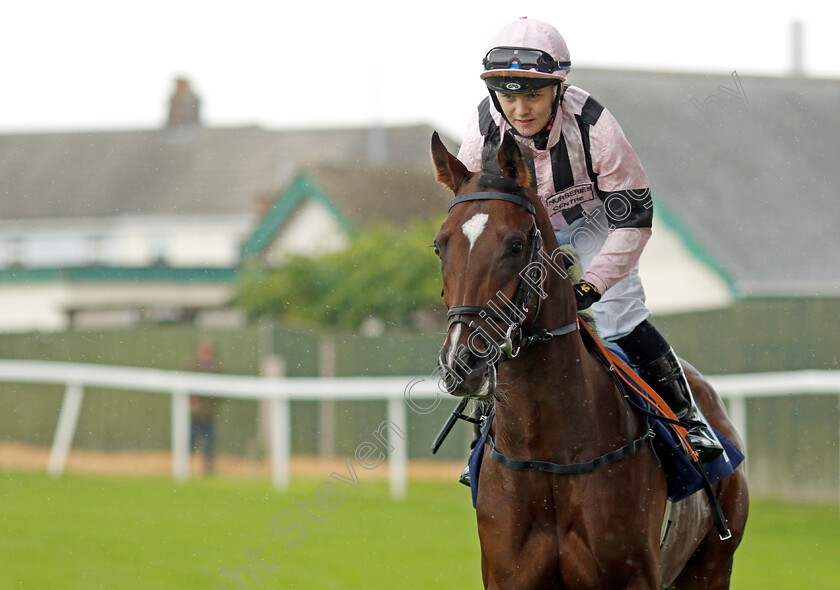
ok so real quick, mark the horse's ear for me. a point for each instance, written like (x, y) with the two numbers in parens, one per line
(511, 162)
(450, 171)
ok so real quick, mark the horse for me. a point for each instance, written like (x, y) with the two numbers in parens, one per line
(513, 341)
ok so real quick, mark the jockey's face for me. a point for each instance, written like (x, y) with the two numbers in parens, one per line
(528, 113)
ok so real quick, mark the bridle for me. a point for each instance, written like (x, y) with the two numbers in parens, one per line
(513, 340)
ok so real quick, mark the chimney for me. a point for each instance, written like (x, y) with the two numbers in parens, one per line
(377, 151)
(797, 40)
(184, 107)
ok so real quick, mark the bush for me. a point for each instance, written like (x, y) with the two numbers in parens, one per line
(386, 273)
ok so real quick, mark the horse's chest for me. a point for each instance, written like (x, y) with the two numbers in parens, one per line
(544, 543)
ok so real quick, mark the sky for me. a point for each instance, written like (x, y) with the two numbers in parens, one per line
(92, 65)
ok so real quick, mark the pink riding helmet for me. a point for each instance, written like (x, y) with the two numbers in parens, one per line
(526, 48)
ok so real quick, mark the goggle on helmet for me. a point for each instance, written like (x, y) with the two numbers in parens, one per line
(525, 55)
(527, 61)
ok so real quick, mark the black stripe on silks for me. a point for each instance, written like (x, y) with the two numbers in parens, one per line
(631, 208)
(485, 119)
(561, 167)
(492, 139)
(561, 170)
(584, 136)
(532, 168)
(589, 115)
(591, 111)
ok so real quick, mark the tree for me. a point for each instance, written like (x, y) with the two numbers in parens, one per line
(387, 273)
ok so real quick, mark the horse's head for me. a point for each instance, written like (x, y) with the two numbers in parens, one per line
(493, 265)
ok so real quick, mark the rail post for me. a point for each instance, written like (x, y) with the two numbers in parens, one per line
(180, 435)
(67, 419)
(398, 457)
(281, 442)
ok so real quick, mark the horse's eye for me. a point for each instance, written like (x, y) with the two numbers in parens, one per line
(517, 247)
(436, 248)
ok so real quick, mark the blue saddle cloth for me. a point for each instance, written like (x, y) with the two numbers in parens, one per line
(682, 478)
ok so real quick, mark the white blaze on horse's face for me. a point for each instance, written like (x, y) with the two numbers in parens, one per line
(456, 335)
(473, 228)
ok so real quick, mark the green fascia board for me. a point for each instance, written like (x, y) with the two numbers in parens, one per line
(694, 246)
(303, 187)
(120, 274)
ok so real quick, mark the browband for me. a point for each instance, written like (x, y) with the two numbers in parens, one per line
(490, 196)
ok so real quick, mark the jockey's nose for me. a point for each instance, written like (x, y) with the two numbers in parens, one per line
(520, 106)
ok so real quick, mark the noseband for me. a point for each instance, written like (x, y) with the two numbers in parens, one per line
(513, 340)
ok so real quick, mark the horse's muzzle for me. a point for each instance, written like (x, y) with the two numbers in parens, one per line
(466, 372)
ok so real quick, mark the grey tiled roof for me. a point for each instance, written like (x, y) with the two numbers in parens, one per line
(750, 170)
(394, 193)
(217, 170)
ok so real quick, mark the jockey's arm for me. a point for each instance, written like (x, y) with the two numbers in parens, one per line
(624, 188)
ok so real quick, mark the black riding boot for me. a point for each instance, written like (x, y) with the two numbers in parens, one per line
(665, 375)
(659, 367)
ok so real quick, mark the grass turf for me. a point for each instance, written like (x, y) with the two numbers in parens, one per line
(106, 532)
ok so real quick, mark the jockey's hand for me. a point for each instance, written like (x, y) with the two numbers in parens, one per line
(585, 294)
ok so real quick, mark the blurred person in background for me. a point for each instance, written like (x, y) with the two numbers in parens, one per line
(203, 408)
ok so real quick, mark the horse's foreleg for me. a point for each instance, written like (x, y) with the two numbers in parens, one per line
(710, 566)
(705, 574)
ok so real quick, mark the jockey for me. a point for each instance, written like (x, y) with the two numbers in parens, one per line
(594, 189)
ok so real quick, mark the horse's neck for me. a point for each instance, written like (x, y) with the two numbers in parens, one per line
(551, 395)
(547, 402)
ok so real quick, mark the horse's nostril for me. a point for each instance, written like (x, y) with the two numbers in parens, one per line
(460, 366)
(471, 360)
(449, 376)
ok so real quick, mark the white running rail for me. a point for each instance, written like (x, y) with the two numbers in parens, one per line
(402, 393)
